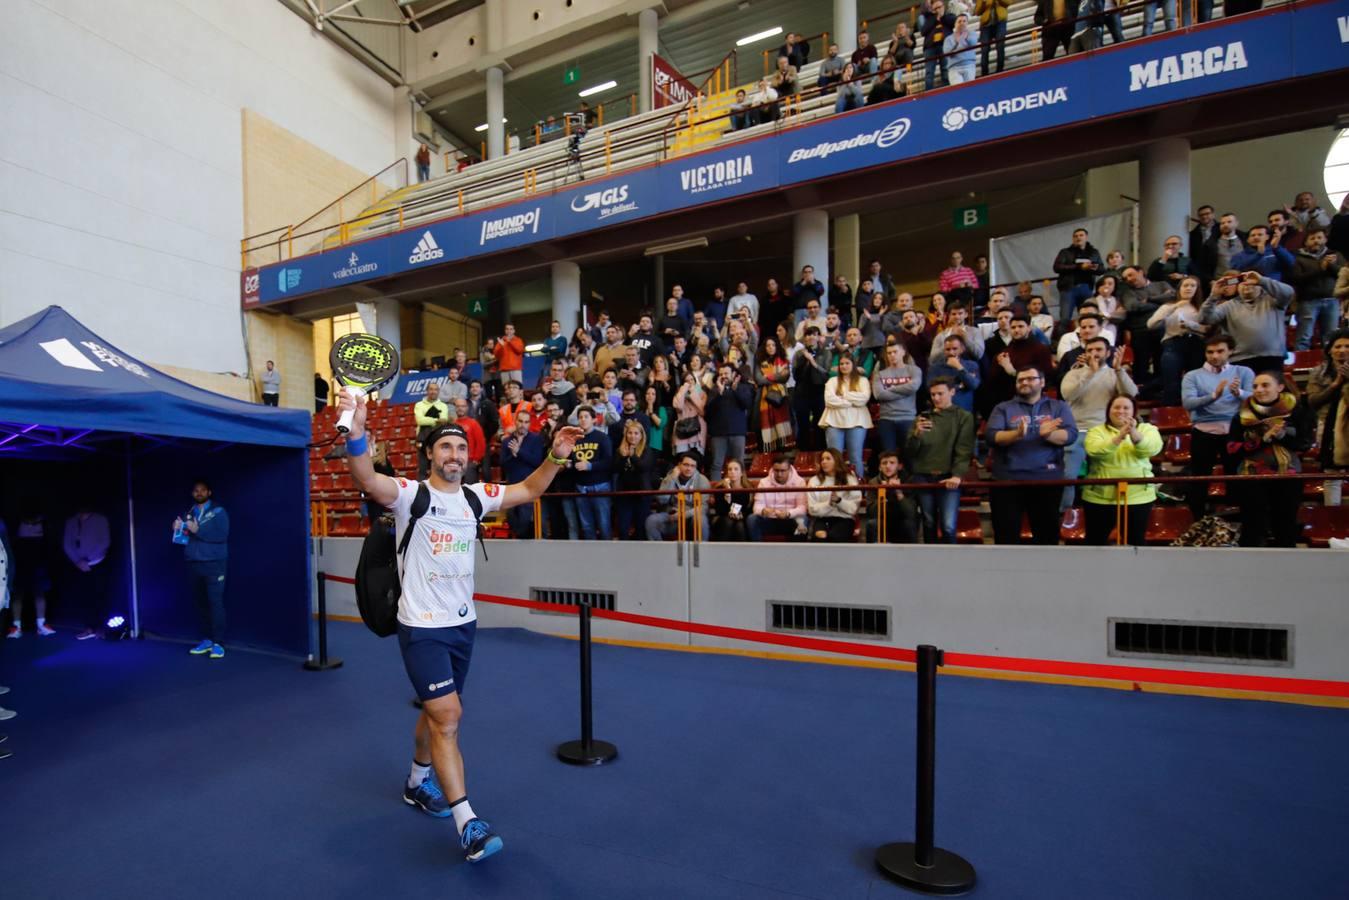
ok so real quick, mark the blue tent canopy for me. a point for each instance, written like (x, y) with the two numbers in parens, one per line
(56, 372)
(83, 424)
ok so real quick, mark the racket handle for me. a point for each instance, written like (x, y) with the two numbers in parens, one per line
(344, 421)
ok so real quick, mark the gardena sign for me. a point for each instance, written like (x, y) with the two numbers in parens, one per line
(956, 117)
(1185, 66)
(882, 137)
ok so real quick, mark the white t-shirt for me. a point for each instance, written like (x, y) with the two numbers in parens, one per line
(437, 569)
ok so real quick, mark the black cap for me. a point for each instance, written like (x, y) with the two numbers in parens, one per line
(440, 431)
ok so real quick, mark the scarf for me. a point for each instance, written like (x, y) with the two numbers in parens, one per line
(1255, 419)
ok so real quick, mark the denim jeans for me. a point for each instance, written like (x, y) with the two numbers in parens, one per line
(930, 70)
(1179, 355)
(1168, 15)
(1309, 312)
(994, 35)
(1115, 25)
(892, 434)
(521, 520)
(937, 503)
(739, 121)
(423, 172)
(551, 525)
(593, 512)
(849, 441)
(659, 525)
(721, 448)
(1074, 455)
(1068, 301)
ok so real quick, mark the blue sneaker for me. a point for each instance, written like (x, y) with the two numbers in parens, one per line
(428, 797)
(217, 651)
(479, 840)
(203, 647)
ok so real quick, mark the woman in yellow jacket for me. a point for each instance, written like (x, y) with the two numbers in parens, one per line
(1123, 447)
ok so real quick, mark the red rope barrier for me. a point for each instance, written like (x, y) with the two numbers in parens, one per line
(1257, 683)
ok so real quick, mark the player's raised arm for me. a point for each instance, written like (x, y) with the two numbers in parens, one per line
(529, 490)
(379, 488)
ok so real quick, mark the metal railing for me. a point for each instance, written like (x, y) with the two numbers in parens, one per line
(689, 518)
(640, 140)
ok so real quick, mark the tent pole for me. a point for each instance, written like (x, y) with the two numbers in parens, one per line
(131, 543)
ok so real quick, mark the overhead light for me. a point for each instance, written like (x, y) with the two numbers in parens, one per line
(658, 249)
(759, 36)
(597, 88)
(533, 348)
(483, 126)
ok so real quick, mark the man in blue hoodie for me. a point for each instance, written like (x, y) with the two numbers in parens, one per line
(205, 531)
(592, 463)
(1028, 434)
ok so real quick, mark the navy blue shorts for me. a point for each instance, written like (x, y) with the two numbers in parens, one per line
(437, 659)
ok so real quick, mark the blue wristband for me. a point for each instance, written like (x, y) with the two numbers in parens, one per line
(357, 446)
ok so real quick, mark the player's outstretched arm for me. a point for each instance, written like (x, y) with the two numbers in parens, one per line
(380, 488)
(529, 490)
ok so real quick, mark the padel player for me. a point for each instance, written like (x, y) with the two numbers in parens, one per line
(436, 617)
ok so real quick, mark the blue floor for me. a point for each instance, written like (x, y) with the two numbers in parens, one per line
(142, 772)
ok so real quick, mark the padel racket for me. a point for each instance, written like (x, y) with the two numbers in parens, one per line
(362, 363)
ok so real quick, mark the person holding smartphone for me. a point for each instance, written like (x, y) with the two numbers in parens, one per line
(205, 529)
(730, 512)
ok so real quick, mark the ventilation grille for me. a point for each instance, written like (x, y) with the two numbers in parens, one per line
(1229, 642)
(564, 597)
(826, 618)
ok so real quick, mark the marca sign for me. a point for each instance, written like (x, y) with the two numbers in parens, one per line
(609, 202)
(1186, 66)
(509, 225)
(720, 174)
(957, 117)
(882, 137)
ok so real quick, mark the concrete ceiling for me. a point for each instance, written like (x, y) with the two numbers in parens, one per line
(693, 44)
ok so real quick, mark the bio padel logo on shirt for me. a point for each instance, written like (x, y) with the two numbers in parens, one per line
(444, 542)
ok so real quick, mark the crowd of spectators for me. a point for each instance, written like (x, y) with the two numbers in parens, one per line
(948, 41)
(879, 388)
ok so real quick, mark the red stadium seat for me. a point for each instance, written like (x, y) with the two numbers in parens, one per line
(807, 463)
(1170, 419)
(1306, 360)
(1074, 527)
(1321, 523)
(760, 465)
(1176, 449)
(1168, 523)
(969, 530)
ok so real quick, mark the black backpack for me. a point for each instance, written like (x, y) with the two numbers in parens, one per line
(377, 585)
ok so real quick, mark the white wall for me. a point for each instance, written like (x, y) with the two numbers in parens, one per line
(1026, 602)
(121, 192)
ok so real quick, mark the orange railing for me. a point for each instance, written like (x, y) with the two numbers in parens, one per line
(279, 243)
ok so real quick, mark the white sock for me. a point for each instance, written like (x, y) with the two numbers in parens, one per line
(418, 774)
(463, 814)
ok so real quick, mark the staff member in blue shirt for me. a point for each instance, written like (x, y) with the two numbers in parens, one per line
(1028, 434)
(205, 532)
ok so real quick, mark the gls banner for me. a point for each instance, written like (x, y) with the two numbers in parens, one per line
(602, 203)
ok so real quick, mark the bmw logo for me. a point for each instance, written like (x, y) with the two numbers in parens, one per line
(893, 133)
(955, 118)
(463, 610)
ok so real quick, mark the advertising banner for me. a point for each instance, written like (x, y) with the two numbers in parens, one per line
(668, 87)
(1210, 60)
